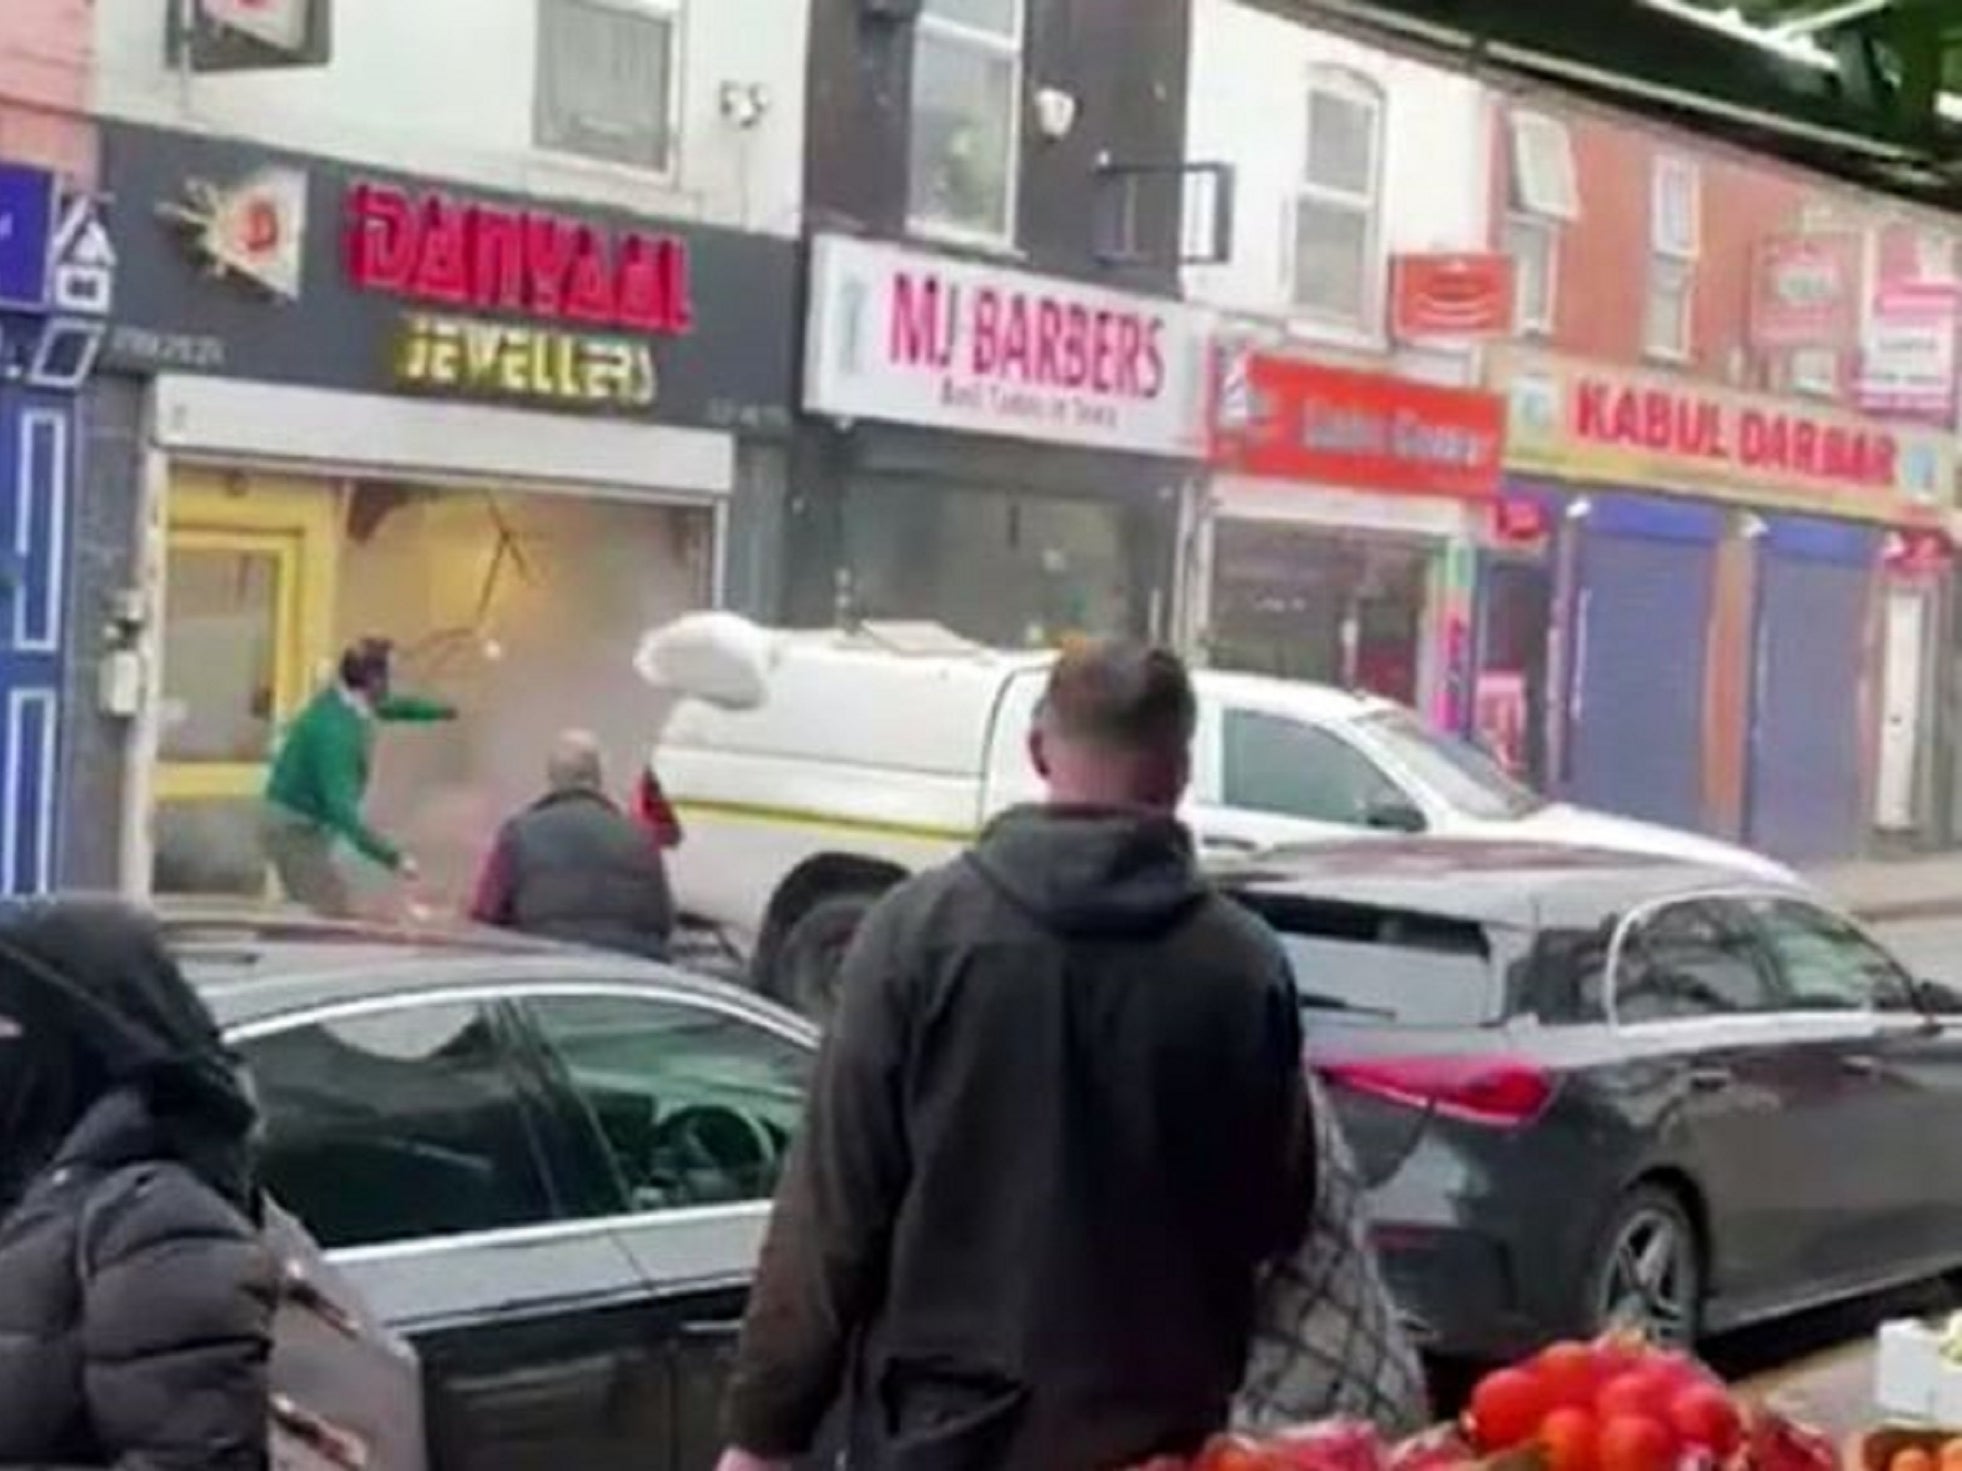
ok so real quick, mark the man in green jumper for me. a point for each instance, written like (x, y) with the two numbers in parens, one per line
(320, 778)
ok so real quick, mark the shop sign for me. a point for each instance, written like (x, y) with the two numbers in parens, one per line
(1291, 419)
(432, 247)
(1577, 421)
(27, 226)
(1450, 296)
(916, 338)
(1805, 292)
(300, 270)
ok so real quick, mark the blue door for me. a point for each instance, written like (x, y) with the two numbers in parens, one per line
(1803, 792)
(1639, 620)
(37, 459)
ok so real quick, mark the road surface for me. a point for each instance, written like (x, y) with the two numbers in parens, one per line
(1823, 1362)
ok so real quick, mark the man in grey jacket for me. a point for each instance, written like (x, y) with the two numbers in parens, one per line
(1059, 1125)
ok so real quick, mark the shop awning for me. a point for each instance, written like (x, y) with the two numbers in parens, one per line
(1869, 90)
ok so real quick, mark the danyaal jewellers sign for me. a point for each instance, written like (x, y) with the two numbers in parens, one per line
(1580, 421)
(590, 304)
(245, 262)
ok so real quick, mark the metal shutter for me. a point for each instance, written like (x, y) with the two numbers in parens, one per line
(1803, 798)
(1640, 616)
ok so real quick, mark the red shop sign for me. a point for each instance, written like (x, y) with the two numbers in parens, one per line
(1294, 420)
(432, 247)
(1450, 295)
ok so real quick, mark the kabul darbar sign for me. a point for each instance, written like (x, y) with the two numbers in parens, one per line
(1583, 422)
(591, 303)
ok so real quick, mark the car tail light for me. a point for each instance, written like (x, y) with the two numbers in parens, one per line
(1502, 1092)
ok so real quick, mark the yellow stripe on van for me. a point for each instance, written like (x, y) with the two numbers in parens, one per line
(805, 817)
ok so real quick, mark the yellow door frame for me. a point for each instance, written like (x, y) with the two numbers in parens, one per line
(295, 521)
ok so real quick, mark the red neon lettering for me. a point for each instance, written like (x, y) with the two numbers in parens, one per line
(1591, 412)
(548, 256)
(442, 265)
(589, 284)
(1152, 377)
(380, 245)
(497, 260)
(1658, 420)
(1048, 331)
(987, 322)
(1805, 448)
(916, 320)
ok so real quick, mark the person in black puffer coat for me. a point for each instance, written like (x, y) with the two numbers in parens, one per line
(136, 1300)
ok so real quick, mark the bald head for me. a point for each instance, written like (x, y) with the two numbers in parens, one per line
(575, 764)
(1114, 728)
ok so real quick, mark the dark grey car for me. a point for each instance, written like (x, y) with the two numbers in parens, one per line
(1590, 1088)
(548, 1169)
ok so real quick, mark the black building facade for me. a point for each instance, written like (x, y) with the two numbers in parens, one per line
(1003, 396)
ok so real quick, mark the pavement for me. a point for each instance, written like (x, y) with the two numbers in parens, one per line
(1922, 886)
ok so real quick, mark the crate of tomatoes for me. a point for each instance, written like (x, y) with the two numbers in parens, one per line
(1613, 1405)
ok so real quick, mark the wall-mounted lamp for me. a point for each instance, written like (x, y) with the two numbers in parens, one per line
(1055, 112)
(1579, 510)
(744, 104)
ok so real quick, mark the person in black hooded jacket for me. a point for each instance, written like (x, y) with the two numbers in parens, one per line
(136, 1300)
(1059, 1125)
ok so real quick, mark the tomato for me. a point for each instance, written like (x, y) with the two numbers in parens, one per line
(1645, 1392)
(1506, 1409)
(1572, 1374)
(1950, 1457)
(1636, 1443)
(1571, 1439)
(1703, 1415)
(1911, 1458)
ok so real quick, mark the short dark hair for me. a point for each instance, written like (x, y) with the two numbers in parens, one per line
(364, 665)
(1121, 695)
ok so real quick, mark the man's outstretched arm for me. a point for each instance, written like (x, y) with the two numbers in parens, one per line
(824, 1257)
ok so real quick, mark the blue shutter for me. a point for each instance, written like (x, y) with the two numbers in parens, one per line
(1804, 793)
(1639, 631)
(37, 459)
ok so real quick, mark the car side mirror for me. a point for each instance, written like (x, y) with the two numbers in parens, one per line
(1394, 815)
(1937, 998)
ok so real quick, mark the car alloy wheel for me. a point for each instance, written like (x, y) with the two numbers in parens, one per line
(1649, 1283)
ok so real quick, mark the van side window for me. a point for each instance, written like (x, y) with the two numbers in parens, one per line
(1273, 764)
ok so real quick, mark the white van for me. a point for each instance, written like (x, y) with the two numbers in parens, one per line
(814, 770)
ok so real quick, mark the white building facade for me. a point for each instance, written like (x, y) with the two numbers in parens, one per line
(1333, 545)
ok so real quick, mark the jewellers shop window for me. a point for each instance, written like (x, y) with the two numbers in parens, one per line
(1339, 200)
(1009, 570)
(966, 119)
(606, 85)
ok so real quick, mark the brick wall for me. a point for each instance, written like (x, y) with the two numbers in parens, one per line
(45, 48)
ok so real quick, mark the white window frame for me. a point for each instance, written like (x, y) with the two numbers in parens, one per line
(1548, 230)
(674, 12)
(997, 46)
(1540, 141)
(1355, 88)
(1667, 171)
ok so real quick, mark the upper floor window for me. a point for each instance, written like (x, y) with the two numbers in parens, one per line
(606, 80)
(1675, 230)
(967, 109)
(1543, 195)
(1336, 212)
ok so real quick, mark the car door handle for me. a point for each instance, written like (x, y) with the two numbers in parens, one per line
(721, 1330)
(1710, 1079)
(1225, 844)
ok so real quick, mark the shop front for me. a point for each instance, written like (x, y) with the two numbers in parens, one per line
(56, 280)
(503, 433)
(1341, 513)
(1717, 565)
(1001, 453)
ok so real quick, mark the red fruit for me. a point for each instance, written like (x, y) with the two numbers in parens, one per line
(1636, 1443)
(1506, 1409)
(1705, 1416)
(1572, 1374)
(1571, 1439)
(1645, 1392)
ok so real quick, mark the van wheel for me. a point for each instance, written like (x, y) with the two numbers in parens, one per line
(803, 971)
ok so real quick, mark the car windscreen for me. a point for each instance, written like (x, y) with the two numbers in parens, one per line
(1385, 967)
(1456, 770)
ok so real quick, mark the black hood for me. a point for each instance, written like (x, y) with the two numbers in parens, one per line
(110, 1034)
(1092, 871)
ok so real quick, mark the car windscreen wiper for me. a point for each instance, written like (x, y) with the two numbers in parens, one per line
(1321, 1001)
